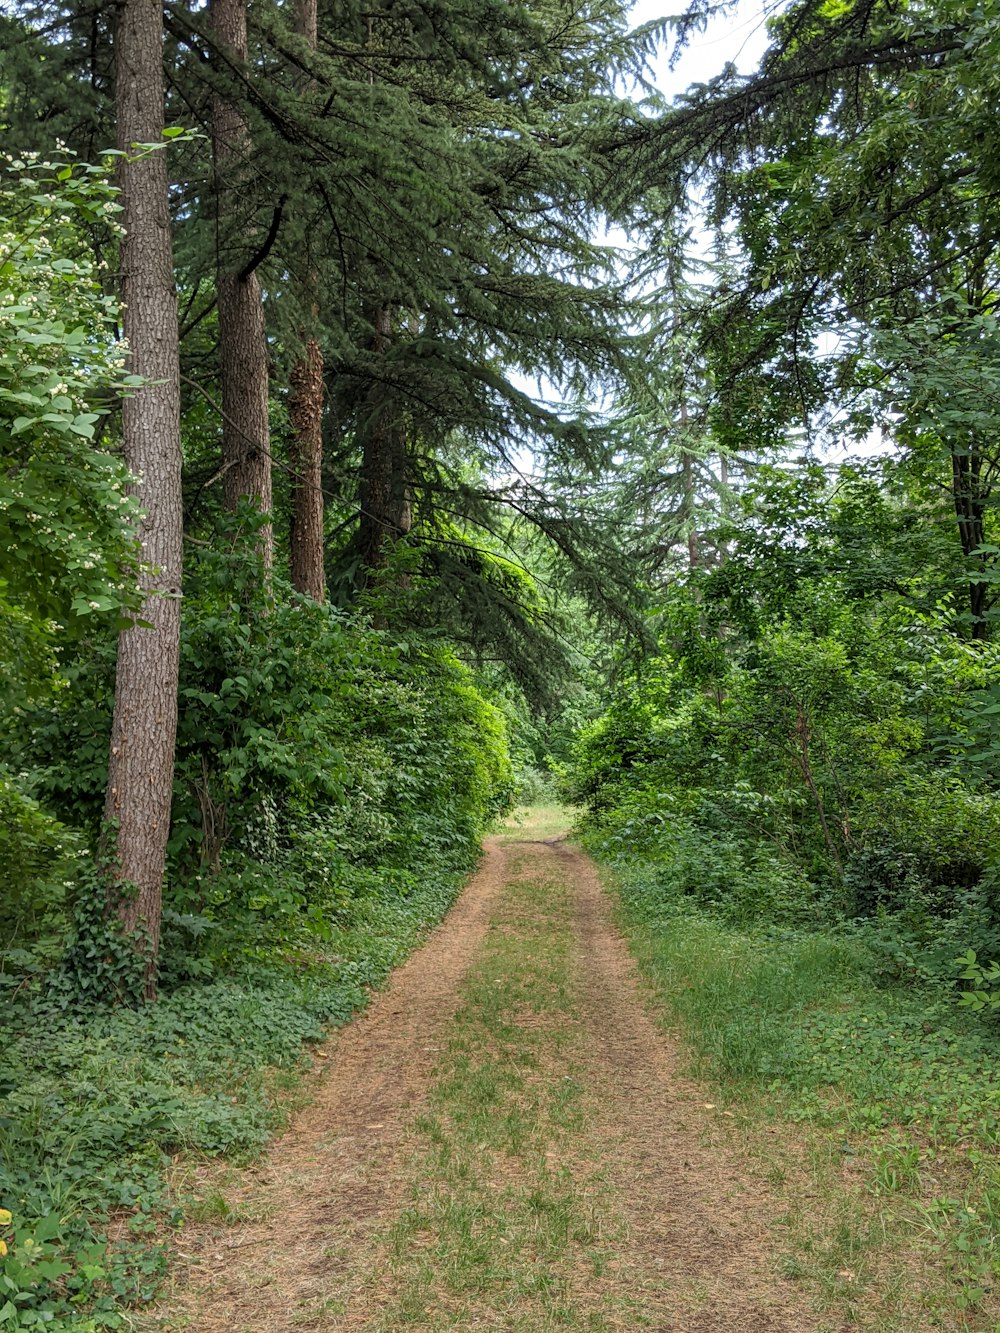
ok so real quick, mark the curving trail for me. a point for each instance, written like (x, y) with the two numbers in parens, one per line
(350, 1223)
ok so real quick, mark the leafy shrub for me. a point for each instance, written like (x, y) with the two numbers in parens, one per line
(66, 528)
(38, 855)
(735, 877)
(534, 786)
(925, 836)
(312, 752)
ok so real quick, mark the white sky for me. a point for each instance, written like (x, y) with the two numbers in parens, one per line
(736, 37)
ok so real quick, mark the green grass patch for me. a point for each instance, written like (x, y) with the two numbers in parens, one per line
(500, 1226)
(528, 823)
(895, 1088)
(94, 1106)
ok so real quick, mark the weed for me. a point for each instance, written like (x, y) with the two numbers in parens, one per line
(94, 1111)
(890, 1084)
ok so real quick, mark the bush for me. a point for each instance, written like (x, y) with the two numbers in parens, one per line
(38, 857)
(314, 755)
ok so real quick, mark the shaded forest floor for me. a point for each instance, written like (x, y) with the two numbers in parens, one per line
(504, 1140)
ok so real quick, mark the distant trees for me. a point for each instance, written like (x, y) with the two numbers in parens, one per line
(382, 229)
(454, 410)
(852, 183)
(821, 715)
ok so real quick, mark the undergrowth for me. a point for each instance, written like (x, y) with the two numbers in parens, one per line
(896, 1082)
(93, 1106)
(332, 784)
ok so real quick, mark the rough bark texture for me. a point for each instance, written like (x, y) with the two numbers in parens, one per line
(307, 20)
(306, 447)
(385, 494)
(140, 774)
(723, 501)
(969, 496)
(689, 506)
(306, 411)
(243, 359)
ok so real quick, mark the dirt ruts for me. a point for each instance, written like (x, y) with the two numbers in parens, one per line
(699, 1257)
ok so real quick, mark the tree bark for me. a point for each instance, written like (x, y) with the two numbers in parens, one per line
(689, 507)
(307, 20)
(243, 358)
(969, 497)
(306, 446)
(306, 412)
(386, 511)
(723, 503)
(144, 727)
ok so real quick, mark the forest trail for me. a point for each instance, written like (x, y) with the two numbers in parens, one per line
(501, 1142)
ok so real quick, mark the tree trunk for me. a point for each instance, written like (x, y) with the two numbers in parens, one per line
(969, 498)
(307, 20)
(688, 504)
(306, 411)
(385, 494)
(243, 359)
(141, 767)
(723, 502)
(690, 512)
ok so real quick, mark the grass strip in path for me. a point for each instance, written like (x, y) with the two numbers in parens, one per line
(558, 1177)
(502, 1143)
(502, 1223)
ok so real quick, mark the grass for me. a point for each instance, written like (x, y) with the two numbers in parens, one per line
(504, 1218)
(96, 1106)
(537, 822)
(890, 1174)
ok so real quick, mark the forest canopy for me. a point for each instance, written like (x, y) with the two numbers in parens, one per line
(409, 410)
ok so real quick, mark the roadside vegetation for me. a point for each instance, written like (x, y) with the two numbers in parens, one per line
(351, 490)
(796, 801)
(323, 884)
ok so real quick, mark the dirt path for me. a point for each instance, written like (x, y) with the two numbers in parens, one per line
(501, 1142)
(696, 1214)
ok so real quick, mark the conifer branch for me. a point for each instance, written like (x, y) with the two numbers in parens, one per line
(268, 243)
